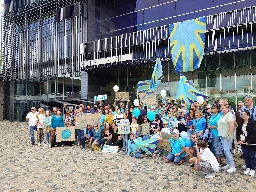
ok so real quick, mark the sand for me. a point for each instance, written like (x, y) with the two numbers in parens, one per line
(33, 168)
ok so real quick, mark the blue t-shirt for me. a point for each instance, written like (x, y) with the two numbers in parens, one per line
(57, 121)
(177, 146)
(96, 135)
(89, 133)
(102, 121)
(213, 122)
(200, 124)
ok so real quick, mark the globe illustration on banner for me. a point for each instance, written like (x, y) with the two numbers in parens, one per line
(66, 134)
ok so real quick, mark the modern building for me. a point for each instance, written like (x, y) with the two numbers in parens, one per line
(70, 49)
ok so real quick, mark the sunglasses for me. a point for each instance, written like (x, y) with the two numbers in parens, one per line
(193, 137)
(165, 124)
(248, 96)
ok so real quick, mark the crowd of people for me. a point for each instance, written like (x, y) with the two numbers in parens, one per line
(214, 130)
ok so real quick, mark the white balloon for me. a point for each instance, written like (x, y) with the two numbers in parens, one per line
(116, 88)
(200, 100)
(136, 102)
(163, 93)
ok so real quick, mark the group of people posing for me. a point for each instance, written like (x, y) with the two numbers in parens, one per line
(214, 130)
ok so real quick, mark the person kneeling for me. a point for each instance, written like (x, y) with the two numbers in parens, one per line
(205, 160)
(177, 144)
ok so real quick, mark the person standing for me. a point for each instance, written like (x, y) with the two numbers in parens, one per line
(47, 126)
(246, 136)
(215, 146)
(31, 119)
(40, 125)
(56, 121)
(248, 101)
(226, 133)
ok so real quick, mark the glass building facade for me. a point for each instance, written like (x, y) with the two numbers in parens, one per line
(116, 42)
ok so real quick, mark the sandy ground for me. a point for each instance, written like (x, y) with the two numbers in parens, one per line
(32, 168)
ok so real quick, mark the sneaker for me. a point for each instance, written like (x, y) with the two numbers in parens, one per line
(247, 171)
(46, 144)
(192, 165)
(243, 167)
(39, 144)
(49, 145)
(231, 170)
(252, 173)
(209, 176)
(226, 167)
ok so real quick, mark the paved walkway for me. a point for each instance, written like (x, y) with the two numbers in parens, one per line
(32, 168)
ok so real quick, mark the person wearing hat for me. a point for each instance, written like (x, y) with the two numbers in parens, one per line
(177, 144)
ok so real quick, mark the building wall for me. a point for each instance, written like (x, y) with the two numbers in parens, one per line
(1, 100)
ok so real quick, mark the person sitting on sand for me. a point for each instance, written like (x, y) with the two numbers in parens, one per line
(205, 160)
(191, 151)
(177, 144)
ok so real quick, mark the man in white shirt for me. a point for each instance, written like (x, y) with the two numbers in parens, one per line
(31, 119)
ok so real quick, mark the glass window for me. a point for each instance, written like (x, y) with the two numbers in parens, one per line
(243, 79)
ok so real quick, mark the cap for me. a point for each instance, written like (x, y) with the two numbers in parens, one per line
(175, 131)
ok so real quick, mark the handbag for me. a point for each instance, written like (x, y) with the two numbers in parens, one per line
(48, 129)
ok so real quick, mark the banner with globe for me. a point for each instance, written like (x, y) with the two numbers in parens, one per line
(65, 134)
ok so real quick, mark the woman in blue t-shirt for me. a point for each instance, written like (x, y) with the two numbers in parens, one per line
(56, 121)
(212, 124)
(199, 123)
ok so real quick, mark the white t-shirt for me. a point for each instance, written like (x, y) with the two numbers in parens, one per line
(41, 118)
(207, 156)
(31, 118)
(223, 124)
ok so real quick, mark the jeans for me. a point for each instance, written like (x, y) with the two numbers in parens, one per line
(216, 147)
(47, 137)
(175, 159)
(227, 146)
(32, 134)
(80, 133)
(125, 141)
(249, 156)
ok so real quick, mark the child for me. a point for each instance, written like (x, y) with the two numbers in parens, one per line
(205, 160)
(132, 148)
(47, 127)
(135, 126)
(125, 136)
